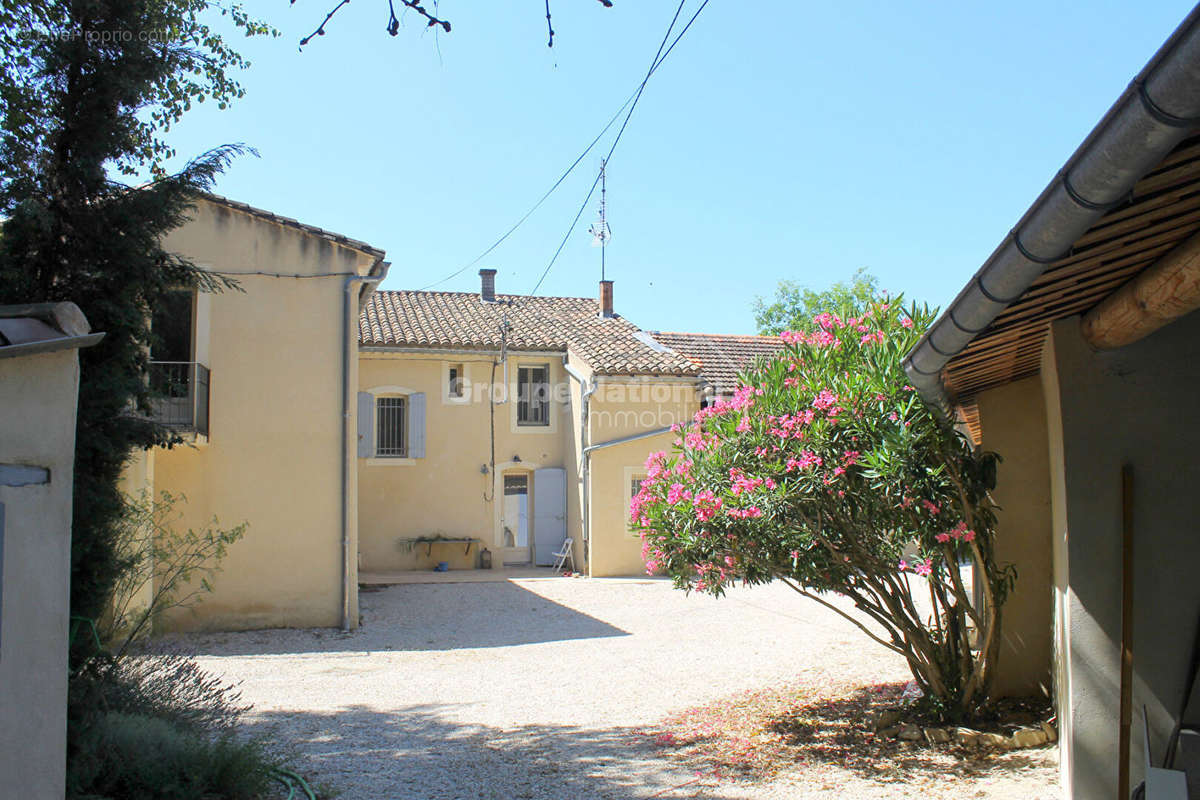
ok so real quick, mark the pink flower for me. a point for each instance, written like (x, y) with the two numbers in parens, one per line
(903, 565)
(931, 507)
(807, 459)
(906, 322)
(743, 425)
(795, 555)
(824, 400)
(968, 536)
(942, 537)
(849, 458)
(707, 505)
(677, 494)
(924, 568)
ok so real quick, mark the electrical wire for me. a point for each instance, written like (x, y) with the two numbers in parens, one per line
(538, 204)
(659, 57)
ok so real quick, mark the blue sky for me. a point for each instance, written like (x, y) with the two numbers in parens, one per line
(778, 141)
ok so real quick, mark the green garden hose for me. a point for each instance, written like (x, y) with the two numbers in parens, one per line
(293, 781)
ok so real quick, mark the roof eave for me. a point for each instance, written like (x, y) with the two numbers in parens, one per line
(1157, 111)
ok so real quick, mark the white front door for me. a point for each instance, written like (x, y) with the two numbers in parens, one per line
(514, 519)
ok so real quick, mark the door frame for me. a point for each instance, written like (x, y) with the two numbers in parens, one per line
(509, 467)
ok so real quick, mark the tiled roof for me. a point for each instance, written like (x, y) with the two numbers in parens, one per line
(336, 238)
(720, 357)
(462, 321)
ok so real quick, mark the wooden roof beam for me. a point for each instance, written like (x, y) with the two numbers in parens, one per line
(1166, 290)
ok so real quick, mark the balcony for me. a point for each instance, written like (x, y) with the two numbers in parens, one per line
(181, 395)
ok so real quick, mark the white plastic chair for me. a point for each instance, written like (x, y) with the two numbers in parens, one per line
(564, 554)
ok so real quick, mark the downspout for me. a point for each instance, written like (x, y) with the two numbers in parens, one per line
(586, 389)
(1157, 111)
(349, 352)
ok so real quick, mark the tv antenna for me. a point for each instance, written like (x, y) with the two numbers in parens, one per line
(599, 230)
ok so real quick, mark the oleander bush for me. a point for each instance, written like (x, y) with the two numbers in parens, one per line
(828, 472)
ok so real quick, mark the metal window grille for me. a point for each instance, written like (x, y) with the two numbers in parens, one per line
(635, 486)
(391, 420)
(456, 380)
(533, 396)
(516, 484)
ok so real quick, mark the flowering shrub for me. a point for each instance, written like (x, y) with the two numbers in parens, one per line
(826, 471)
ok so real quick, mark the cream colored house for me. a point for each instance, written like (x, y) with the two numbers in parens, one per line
(356, 429)
(39, 386)
(261, 385)
(508, 423)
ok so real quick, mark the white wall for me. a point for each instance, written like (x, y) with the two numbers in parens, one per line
(37, 428)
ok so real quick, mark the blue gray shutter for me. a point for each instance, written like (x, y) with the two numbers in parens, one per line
(549, 513)
(366, 430)
(416, 425)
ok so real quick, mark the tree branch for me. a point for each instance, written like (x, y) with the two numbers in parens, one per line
(832, 607)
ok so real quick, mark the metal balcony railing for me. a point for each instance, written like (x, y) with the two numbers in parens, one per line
(181, 389)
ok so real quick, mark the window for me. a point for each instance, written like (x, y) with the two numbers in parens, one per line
(533, 395)
(635, 486)
(171, 323)
(391, 427)
(456, 379)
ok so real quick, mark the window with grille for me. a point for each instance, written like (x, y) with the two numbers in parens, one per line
(456, 388)
(635, 486)
(533, 395)
(391, 427)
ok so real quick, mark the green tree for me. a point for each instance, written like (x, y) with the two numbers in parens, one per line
(827, 472)
(794, 306)
(89, 89)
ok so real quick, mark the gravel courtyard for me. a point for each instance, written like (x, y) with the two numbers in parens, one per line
(543, 688)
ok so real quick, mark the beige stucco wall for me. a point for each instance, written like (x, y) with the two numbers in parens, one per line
(619, 409)
(1014, 425)
(274, 455)
(37, 428)
(448, 492)
(1135, 405)
(452, 491)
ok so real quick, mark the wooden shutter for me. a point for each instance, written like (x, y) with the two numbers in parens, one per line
(549, 513)
(416, 425)
(366, 430)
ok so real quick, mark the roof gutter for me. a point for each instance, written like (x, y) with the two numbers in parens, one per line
(1158, 109)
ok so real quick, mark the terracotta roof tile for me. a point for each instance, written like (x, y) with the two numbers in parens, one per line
(462, 321)
(720, 357)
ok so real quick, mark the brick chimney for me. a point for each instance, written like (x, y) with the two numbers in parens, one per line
(606, 299)
(487, 285)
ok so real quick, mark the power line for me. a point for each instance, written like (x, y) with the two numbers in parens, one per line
(659, 57)
(538, 204)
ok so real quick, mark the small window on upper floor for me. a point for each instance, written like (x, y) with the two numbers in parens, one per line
(533, 395)
(456, 381)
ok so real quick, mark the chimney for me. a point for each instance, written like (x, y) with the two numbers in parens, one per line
(606, 309)
(487, 285)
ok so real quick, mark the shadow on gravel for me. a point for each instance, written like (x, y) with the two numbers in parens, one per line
(417, 753)
(838, 732)
(424, 617)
